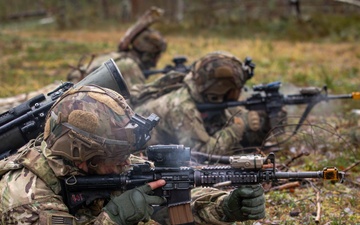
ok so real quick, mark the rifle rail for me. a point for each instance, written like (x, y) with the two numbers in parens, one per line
(180, 179)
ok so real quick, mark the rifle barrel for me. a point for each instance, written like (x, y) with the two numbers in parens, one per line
(206, 107)
(328, 173)
(296, 99)
(148, 73)
(295, 175)
(353, 95)
(343, 96)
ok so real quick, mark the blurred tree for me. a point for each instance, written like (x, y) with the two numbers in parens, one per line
(126, 10)
(180, 6)
(295, 8)
(105, 7)
(197, 13)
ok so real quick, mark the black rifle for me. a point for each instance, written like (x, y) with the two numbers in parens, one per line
(172, 164)
(179, 66)
(27, 120)
(31, 121)
(268, 98)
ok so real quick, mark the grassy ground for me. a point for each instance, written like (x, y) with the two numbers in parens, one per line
(32, 57)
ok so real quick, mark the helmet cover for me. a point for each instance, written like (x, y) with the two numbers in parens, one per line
(89, 121)
(218, 73)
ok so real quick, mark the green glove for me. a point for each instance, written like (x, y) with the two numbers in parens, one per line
(133, 206)
(245, 203)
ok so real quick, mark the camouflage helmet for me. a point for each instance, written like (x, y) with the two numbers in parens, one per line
(90, 121)
(217, 74)
(149, 40)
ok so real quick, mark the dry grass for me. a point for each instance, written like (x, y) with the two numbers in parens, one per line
(302, 64)
(324, 142)
(32, 59)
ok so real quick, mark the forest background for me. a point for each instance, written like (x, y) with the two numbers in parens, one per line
(298, 42)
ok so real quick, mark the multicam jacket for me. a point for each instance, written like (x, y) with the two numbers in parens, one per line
(30, 193)
(181, 123)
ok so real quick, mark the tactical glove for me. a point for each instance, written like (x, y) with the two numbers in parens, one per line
(133, 206)
(276, 124)
(259, 121)
(244, 203)
(254, 122)
(256, 128)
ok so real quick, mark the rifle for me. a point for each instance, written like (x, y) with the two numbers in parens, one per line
(172, 164)
(27, 120)
(268, 98)
(179, 66)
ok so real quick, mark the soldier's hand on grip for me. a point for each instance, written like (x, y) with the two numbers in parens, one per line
(247, 202)
(134, 205)
(275, 123)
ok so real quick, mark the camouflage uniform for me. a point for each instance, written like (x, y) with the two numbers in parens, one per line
(30, 194)
(30, 189)
(139, 49)
(182, 123)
